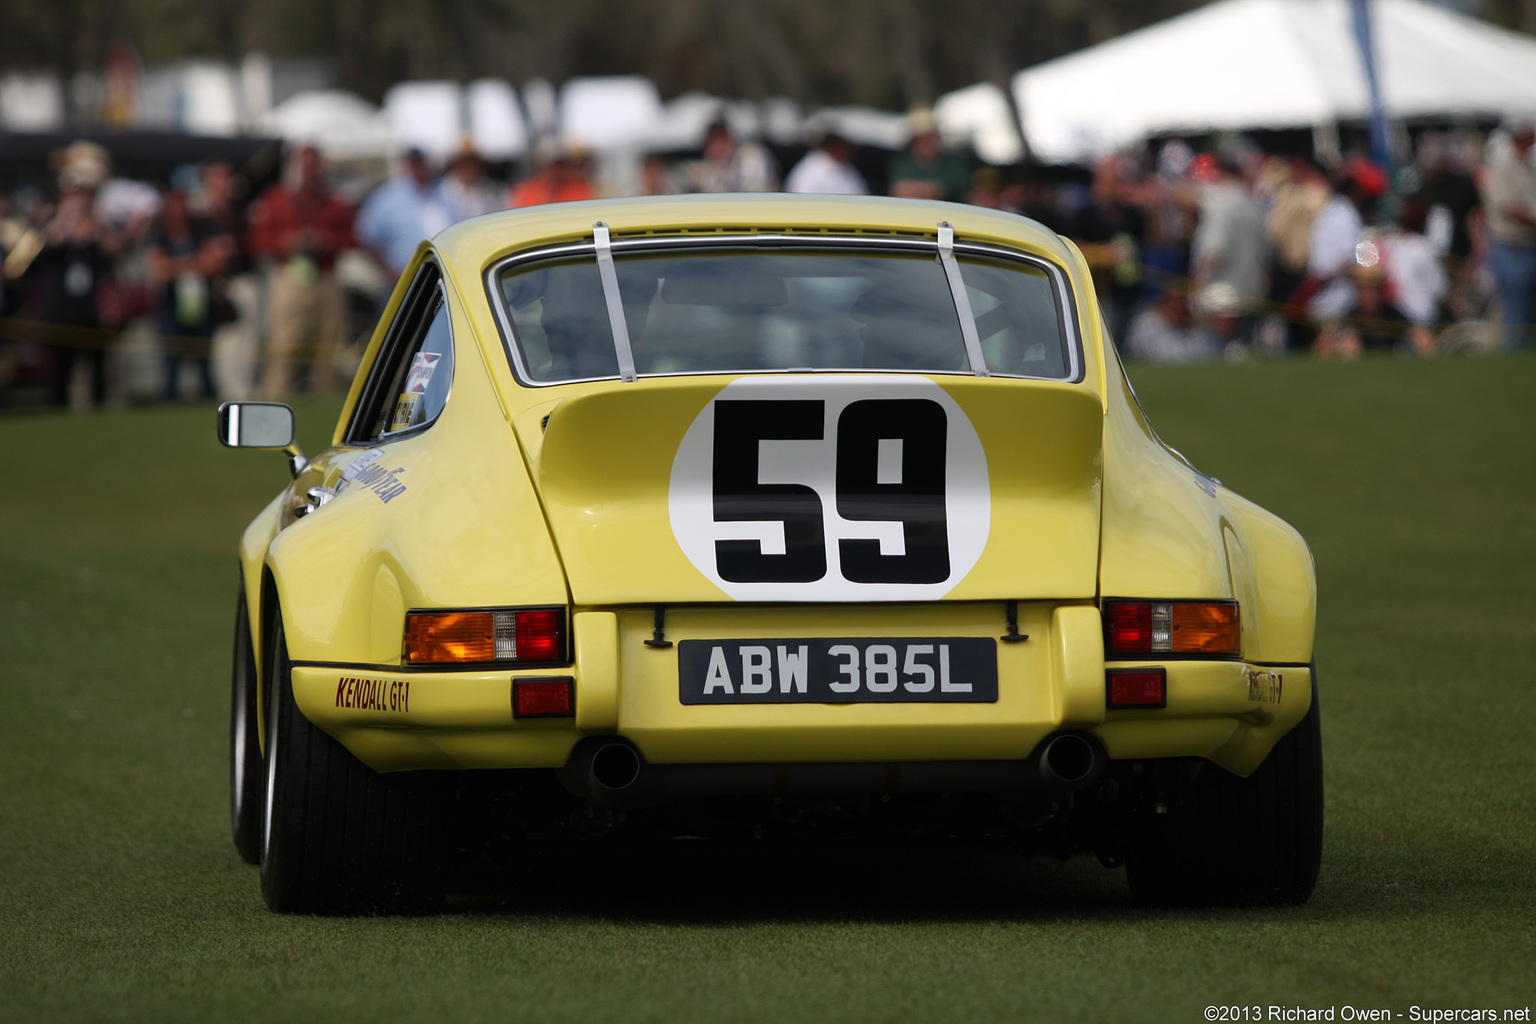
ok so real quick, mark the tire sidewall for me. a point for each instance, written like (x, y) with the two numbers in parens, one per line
(247, 771)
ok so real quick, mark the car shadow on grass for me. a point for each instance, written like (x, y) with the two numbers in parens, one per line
(702, 883)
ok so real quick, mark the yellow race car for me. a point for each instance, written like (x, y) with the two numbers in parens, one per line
(761, 518)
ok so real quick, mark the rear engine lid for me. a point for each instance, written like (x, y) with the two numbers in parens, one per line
(825, 487)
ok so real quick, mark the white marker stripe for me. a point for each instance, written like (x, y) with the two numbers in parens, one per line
(962, 300)
(615, 302)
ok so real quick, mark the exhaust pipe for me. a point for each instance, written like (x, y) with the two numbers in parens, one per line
(615, 766)
(1070, 758)
(600, 769)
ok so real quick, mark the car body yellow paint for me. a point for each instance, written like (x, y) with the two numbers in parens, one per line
(525, 495)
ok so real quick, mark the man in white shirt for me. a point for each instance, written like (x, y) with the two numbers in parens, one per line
(829, 169)
(1327, 292)
(1509, 201)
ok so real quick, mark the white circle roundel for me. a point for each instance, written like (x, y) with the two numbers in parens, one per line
(847, 488)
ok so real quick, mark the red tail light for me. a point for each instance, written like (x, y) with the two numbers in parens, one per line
(520, 635)
(540, 634)
(1190, 628)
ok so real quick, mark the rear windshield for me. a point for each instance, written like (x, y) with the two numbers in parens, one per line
(723, 310)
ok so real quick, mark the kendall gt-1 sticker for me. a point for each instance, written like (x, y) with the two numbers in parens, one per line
(850, 488)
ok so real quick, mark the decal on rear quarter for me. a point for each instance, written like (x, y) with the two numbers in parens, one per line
(854, 488)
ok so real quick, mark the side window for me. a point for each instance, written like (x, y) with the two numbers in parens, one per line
(409, 384)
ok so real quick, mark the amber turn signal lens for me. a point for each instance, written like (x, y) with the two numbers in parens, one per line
(450, 636)
(1141, 628)
(1205, 628)
(529, 635)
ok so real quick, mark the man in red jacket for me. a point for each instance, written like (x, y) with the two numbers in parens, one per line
(299, 226)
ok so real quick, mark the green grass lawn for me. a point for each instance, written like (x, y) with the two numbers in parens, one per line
(121, 897)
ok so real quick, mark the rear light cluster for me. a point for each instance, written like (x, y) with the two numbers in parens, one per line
(543, 698)
(526, 635)
(1135, 629)
(1137, 688)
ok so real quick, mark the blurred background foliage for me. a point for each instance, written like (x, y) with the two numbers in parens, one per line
(886, 53)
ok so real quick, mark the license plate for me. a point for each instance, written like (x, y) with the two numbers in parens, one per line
(884, 670)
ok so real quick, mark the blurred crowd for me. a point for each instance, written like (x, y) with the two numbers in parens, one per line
(231, 291)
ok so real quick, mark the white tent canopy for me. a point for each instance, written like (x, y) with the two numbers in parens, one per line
(342, 125)
(979, 116)
(1237, 64)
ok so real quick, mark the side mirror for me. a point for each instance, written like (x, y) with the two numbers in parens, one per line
(255, 425)
(266, 425)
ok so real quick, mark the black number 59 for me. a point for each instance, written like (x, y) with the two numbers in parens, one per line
(890, 468)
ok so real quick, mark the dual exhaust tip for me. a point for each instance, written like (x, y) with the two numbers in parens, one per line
(609, 771)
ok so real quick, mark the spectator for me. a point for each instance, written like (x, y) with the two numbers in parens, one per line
(188, 259)
(1374, 323)
(1167, 333)
(1416, 282)
(402, 213)
(1297, 192)
(70, 281)
(828, 169)
(299, 226)
(1326, 293)
(236, 292)
(561, 178)
(1110, 230)
(1228, 251)
(925, 170)
(1509, 201)
(465, 188)
(728, 166)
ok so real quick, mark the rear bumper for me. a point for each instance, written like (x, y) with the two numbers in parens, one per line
(394, 719)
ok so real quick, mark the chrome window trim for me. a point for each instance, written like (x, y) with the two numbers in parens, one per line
(1066, 304)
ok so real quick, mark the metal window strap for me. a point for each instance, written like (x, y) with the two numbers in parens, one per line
(962, 300)
(615, 302)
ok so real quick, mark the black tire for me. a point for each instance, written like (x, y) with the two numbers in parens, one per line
(338, 837)
(1230, 840)
(247, 774)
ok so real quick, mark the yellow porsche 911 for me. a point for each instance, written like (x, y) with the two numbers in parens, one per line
(762, 518)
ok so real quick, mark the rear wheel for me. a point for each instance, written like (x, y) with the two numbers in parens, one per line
(1231, 840)
(338, 837)
(247, 777)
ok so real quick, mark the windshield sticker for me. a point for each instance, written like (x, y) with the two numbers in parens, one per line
(422, 369)
(849, 489)
(405, 411)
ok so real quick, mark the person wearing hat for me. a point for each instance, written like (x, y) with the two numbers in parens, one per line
(1509, 202)
(69, 277)
(925, 170)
